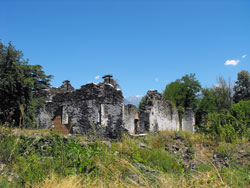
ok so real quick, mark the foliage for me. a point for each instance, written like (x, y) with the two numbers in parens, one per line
(142, 103)
(216, 99)
(156, 158)
(226, 150)
(232, 124)
(18, 82)
(242, 87)
(56, 161)
(183, 92)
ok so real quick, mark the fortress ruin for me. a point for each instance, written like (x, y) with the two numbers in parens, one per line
(100, 107)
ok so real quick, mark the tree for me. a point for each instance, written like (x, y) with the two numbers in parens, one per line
(216, 99)
(183, 92)
(18, 82)
(242, 87)
(173, 93)
(142, 103)
(190, 89)
(222, 95)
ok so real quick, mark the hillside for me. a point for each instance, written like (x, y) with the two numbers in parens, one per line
(44, 159)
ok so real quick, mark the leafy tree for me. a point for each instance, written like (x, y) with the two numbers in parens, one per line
(223, 95)
(183, 92)
(190, 89)
(142, 103)
(206, 104)
(173, 93)
(242, 87)
(18, 83)
(216, 99)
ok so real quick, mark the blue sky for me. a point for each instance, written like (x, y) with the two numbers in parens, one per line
(143, 43)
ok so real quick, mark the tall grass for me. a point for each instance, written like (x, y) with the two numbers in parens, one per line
(54, 161)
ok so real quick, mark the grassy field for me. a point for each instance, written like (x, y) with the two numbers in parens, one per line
(44, 159)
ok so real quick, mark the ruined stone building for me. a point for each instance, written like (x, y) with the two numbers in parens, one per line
(99, 107)
(157, 114)
(94, 107)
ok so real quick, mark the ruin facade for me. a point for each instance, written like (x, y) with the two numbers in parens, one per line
(99, 108)
(188, 120)
(157, 114)
(94, 107)
(130, 118)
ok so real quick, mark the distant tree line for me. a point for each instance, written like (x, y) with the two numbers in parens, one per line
(222, 111)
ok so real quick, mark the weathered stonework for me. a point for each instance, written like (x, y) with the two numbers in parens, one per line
(157, 114)
(93, 107)
(130, 119)
(188, 121)
(99, 108)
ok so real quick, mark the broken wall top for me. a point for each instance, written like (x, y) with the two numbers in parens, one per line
(153, 96)
(103, 92)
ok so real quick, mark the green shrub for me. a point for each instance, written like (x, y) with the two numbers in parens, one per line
(226, 150)
(241, 113)
(230, 125)
(156, 158)
(237, 176)
(9, 147)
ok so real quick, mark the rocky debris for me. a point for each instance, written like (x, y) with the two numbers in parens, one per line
(220, 162)
(2, 167)
(145, 170)
(140, 135)
(6, 173)
(143, 146)
(116, 153)
(183, 152)
(241, 156)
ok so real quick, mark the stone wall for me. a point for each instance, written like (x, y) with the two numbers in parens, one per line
(157, 114)
(129, 117)
(188, 121)
(98, 104)
(100, 107)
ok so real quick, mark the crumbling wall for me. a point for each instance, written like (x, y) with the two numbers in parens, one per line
(188, 121)
(129, 118)
(99, 107)
(157, 114)
(93, 104)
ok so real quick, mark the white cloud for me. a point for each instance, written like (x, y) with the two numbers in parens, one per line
(97, 77)
(138, 96)
(156, 79)
(244, 56)
(232, 62)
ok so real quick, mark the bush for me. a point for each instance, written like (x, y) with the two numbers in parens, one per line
(231, 125)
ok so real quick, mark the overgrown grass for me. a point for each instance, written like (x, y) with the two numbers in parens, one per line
(51, 160)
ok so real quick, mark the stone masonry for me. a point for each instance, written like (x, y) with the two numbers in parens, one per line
(94, 107)
(157, 114)
(99, 108)
(188, 121)
(130, 118)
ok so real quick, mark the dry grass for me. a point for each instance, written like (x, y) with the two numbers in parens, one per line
(31, 132)
(197, 180)
(114, 167)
